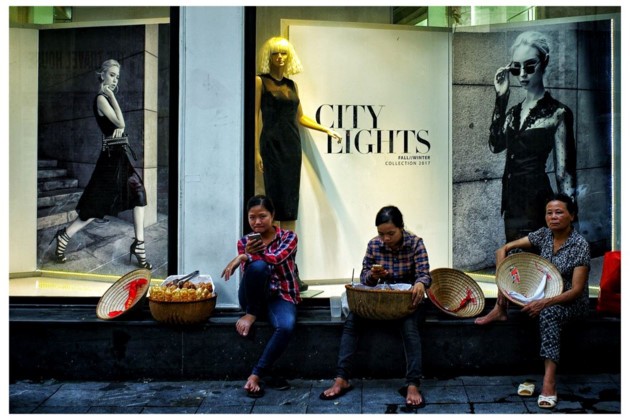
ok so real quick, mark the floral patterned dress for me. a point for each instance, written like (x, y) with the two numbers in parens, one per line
(575, 252)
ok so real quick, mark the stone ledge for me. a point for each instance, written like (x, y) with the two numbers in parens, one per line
(68, 342)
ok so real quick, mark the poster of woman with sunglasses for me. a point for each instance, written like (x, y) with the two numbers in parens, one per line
(530, 132)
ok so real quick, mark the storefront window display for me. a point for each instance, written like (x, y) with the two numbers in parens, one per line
(580, 74)
(102, 130)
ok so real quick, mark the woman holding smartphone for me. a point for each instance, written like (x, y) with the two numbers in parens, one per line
(269, 285)
(394, 256)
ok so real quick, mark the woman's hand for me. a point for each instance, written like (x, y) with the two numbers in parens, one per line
(500, 255)
(118, 132)
(232, 265)
(378, 272)
(502, 80)
(254, 246)
(417, 293)
(107, 91)
(533, 308)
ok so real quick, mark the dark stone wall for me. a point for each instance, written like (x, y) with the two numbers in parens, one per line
(69, 343)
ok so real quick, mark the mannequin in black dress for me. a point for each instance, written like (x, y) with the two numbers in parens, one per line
(278, 112)
(115, 185)
(278, 144)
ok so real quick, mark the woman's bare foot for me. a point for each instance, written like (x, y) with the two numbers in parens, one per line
(496, 314)
(244, 324)
(413, 395)
(337, 388)
(252, 386)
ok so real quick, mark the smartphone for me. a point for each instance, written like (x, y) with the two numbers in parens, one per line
(254, 236)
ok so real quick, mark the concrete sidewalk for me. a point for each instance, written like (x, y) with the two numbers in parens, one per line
(599, 393)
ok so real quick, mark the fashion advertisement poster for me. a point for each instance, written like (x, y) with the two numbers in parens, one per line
(102, 147)
(384, 90)
(387, 93)
(561, 141)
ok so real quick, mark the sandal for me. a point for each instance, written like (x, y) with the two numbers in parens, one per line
(256, 394)
(547, 401)
(137, 249)
(62, 242)
(278, 383)
(526, 389)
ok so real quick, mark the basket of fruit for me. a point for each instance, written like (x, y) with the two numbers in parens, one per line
(183, 300)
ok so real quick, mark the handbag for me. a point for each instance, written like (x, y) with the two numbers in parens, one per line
(110, 143)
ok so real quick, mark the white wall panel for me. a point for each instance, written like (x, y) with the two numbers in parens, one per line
(211, 142)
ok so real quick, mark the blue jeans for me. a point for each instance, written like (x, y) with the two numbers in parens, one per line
(254, 299)
(410, 332)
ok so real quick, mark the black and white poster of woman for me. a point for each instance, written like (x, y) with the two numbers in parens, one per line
(101, 102)
(532, 114)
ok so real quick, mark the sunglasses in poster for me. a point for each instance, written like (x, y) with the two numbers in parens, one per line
(528, 68)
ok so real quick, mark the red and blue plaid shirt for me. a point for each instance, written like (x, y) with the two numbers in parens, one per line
(408, 264)
(280, 256)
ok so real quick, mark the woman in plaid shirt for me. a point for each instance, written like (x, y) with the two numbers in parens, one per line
(394, 256)
(269, 284)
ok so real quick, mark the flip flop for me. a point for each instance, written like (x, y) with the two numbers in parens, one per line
(403, 392)
(526, 389)
(547, 401)
(278, 383)
(342, 392)
(256, 394)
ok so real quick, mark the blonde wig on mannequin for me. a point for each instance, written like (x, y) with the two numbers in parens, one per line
(274, 45)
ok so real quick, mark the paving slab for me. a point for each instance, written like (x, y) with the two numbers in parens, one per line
(598, 394)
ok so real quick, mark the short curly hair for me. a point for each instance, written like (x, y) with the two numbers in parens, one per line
(278, 44)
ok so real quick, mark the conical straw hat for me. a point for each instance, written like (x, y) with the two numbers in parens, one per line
(523, 272)
(456, 293)
(124, 294)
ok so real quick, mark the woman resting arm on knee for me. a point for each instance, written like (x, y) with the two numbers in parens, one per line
(269, 285)
(559, 243)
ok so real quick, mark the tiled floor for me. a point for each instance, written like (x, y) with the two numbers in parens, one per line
(460, 395)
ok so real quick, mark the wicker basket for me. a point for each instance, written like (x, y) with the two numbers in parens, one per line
(455, 293)
(124, 295)
(183, 313)
(380, 304)
(522, 272)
